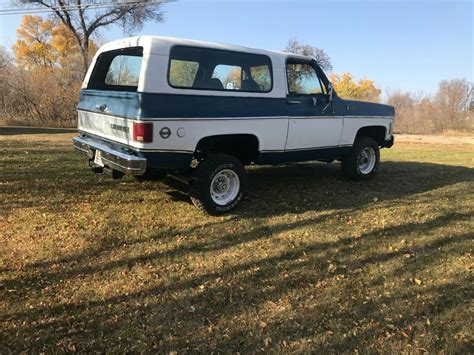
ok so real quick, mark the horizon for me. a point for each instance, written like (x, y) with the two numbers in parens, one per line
(368, 49)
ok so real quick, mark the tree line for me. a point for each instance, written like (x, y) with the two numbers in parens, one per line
(40, 82)
(449, 109)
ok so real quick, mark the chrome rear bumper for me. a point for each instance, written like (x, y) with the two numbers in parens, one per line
(112, 158)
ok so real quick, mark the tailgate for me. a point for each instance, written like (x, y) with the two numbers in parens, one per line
(108, 114)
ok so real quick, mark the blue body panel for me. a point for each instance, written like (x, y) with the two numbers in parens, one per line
(362, 108)
(143, 106)
(118, 103)
(302, 155)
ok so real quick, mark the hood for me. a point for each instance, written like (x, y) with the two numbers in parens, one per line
(363, 108)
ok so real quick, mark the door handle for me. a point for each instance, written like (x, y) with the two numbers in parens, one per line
(293, 102)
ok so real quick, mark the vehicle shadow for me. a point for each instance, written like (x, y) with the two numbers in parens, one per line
(298, 188)
(275, 190)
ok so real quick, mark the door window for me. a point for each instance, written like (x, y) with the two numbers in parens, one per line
(303, 79)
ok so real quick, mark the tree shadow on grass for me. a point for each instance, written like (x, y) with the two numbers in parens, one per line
(175, 316)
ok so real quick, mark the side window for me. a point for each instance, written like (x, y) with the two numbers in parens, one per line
(124, 71)
(219, 70)
(229, 75)
(302, 79)
(182, 72)
(262, 76)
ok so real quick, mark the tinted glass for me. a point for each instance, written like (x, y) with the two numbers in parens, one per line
(210, 69)
(182, 72)
(124, 71)
(261, 75)
(117, 70)
(230, 76)
(303, 79)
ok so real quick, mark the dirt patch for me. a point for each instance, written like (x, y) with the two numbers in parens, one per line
(36, 134)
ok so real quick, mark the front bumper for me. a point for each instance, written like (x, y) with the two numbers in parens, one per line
(389, 142)
(112, 157)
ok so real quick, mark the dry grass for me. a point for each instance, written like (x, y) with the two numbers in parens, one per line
(311, 262)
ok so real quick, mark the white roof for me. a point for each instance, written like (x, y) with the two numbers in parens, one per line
(162, 45)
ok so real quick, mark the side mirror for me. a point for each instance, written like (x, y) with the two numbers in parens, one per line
(330, 92)
(330, 97)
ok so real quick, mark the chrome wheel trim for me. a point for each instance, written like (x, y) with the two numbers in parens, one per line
(225, 187)
(366, 160)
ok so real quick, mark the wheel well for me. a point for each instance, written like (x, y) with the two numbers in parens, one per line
(242, 146)
(375, 132)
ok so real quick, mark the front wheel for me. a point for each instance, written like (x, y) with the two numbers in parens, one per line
(218, 184)
(363, 160)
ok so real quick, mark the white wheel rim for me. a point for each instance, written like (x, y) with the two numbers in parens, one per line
(225, 187)
(366, 160)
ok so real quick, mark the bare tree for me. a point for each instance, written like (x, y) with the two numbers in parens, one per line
(84, 17)
(321, 57)
(452, 103)
(5, 58)
(5, 66)
(447, 109)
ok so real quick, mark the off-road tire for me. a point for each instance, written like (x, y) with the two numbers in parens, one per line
(350, 162)
(202, 177)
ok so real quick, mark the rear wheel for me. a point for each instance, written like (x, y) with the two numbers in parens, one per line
(363, 160)
(218, 184)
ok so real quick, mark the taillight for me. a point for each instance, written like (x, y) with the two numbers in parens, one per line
(143, 132)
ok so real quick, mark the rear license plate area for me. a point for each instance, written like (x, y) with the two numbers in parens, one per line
(98, 158)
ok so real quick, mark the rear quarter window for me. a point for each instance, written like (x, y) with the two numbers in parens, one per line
(219, 70)
(117, 70)
(183, 72)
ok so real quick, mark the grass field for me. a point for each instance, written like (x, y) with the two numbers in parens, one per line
(311, 262)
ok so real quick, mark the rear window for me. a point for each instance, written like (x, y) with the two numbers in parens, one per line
(117, 70)
(220, 70)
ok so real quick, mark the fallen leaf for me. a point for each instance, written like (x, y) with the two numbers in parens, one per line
(267, 341)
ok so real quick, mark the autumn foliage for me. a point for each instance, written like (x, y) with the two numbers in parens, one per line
(44, 80)
(347, 88)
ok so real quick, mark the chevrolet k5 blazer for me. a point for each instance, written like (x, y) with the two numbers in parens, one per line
(151, 105)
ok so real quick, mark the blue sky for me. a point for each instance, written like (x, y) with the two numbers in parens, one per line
(406, 45)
